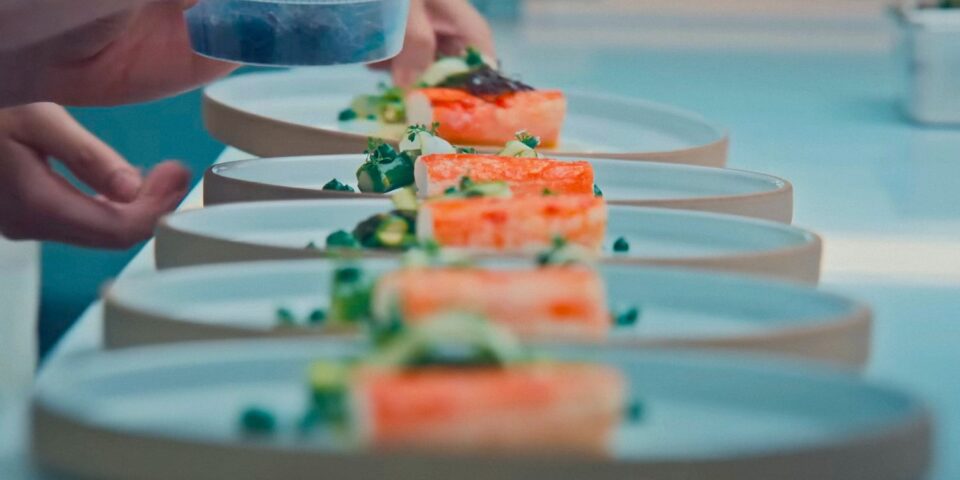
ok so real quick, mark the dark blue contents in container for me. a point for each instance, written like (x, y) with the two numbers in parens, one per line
(303, 32)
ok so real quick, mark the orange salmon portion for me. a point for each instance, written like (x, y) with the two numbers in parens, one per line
(551, 303)
(526, 176)
(515, 224)
(543, 407)
(470, 120)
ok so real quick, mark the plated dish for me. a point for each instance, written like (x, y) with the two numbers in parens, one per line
(297, 113)
(300, 229)
(615, 304)
(240, 409)
(429, 164)
(471, 99)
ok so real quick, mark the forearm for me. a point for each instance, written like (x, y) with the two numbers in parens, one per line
(24, 22)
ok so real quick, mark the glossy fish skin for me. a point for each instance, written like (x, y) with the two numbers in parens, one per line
(525, 176)
(559, 303)
(536, 407)
(466, 119)
(514, 224)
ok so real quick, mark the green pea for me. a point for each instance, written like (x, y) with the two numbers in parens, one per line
(258, 420)
(621, 245)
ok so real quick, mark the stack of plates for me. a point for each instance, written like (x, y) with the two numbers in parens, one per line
(714, 264)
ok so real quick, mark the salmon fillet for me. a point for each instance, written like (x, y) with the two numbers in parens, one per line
(525, 176)
(552, 303)
(538, 407)
(470, 120)
(514, 224)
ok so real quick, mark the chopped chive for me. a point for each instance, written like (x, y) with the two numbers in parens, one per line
(596, 191)
(466, 150)
(347, 115)
(627, 317)
(311, 245)
(258, 420)
(621, 245)
(285, 316)
(547, 191)
(450, 191)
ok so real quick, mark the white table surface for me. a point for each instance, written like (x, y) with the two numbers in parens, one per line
(884, 193)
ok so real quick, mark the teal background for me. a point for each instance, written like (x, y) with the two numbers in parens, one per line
(145, 134)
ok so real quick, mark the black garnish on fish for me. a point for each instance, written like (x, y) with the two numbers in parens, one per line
(484, 82)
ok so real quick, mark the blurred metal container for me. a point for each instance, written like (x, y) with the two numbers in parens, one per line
(932, 47)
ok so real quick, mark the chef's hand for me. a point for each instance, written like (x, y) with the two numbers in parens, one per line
(139, 53)
(438, 27)
(38, 203)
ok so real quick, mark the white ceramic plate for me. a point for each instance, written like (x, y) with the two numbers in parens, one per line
(680, 308)
(627, 183)
(172, 412)
(282, 230)
(295, 113)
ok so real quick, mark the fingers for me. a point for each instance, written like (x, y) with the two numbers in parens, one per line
(457, 25)
(53, 210)
(48, 128)
(38, 203)
(419, 47)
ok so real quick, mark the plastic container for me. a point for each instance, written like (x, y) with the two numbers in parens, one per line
(19, 303)
(298, 32)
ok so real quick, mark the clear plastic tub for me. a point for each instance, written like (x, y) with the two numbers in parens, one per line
(298, 32)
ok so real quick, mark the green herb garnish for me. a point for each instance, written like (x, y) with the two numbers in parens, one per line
(621, 245)
(350, 293)
(635, 411)
(384, 169)
(285, 317)
(596, 191)
(393, 230)
(529, 140)
(311, 245)
(473, 58)
(342, 239)
(547, 192)
(337, 186)
(467, 188)
(466, 150)
(627, 317)
(317, 316)
(258, 421)
(347, 115)
(562, 252)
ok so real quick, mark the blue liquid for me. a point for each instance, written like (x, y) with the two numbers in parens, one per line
(303, 33)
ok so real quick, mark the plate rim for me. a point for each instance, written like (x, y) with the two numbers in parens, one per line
(811, 246)
(907, 439)
(852, 328)
(773, 203)
(781, 185)
(218, 115)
